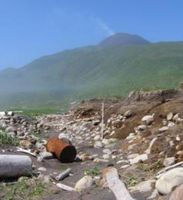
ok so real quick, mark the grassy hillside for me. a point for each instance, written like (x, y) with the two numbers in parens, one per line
(93, 71)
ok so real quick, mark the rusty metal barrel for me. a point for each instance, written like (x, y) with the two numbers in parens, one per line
(62, 149)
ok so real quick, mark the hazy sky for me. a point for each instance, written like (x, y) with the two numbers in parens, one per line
(32, 28)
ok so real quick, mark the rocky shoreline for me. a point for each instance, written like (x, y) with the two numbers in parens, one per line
(139, 136)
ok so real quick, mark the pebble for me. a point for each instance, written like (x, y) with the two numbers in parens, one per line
(106, 141)
(106, 156)
(97, 137)
(98, 144)
(171, 124)
(141, 127)
(169, 161)
(169, 116)
(107, 151)
(128, 114)
(145, 186)
(148, 119)
(84, 183)
(11, 134)
(42, 169)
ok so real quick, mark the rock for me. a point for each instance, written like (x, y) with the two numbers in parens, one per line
(96, 122)
(163, 129)
(114, 156)
(177, 194)
(10, 129)
(164, 122)
(145, 186)
(132, 156)
(148, 119)
(153, 195)
(178, 138)
(11, 134)
(107, 151)
(44, 178)
(98, 144)
(42, 169)
(128, 114)
(131, 136)
(112, 140)
(2, 114)
(105, 141)
(169, 116)
(169, 161)
(176, 117)
(171, 124)
(139, 158)
(10, 113)
(97, 137)
(63, 135)
(141, 127)
(106, 156)
(169, 180)
(84, 183)
(39, 145)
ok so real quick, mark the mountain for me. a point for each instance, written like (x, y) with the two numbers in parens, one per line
(93, 71)
(123, 39)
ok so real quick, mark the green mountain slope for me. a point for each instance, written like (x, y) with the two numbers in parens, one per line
(93, 71)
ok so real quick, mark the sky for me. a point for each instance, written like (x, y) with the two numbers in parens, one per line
(30, 29)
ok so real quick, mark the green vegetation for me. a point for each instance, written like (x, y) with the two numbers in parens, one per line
(91, 72)
(93, 171)
(34, 112)
(131, 180)
(8, 140)
(23, 189)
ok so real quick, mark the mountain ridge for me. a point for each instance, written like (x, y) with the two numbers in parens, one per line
(94, 71)
(123, 39)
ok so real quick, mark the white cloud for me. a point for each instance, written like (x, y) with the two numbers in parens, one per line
(102, 25)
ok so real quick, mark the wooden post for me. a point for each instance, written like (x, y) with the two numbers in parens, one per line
(15, 166)
(111, 177)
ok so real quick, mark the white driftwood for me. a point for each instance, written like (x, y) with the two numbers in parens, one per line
(63, 175)
(148, 150)
(26, 151)
(110, 175)
(15, 165)
(180, 164)
(65, 187)
(102, 121)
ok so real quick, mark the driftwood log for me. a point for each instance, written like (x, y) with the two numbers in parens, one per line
(14, 166)
(65, 187)
(111, 177)
(63, 175)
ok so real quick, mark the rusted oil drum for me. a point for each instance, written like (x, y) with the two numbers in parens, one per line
(62, 149)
